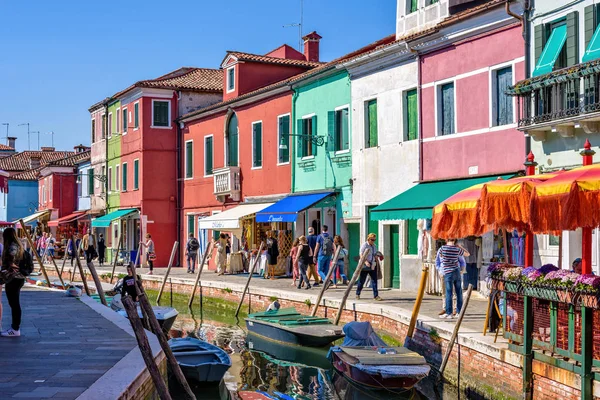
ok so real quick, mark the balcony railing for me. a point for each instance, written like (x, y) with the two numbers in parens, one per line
(563, 97)
(227, 183)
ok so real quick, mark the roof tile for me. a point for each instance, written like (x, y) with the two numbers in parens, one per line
(273, 60)
(22, 161)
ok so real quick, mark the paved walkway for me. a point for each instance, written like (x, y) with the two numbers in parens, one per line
(65, 347)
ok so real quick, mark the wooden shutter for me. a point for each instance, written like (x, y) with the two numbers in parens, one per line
(314, 133)
(589, 23)
(284, 137)
(572, 38)
(136, 115)
(124, 188)
(414, 5)
(257, 145)
(189, 160)
(504, 112)
(300, 141)
(345, 130)
(373, 142)
(208, 159)
(90, 181)
(332, 137)
(448, 109)
(136, 174)
(125, 121)
(539, 40)
(411, 115)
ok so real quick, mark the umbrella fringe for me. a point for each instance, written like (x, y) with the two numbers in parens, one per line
(506, 209)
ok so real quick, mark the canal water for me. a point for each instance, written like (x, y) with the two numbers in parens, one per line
(276, 370)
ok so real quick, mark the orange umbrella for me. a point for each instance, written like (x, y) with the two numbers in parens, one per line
(505, 203)
(568, 201)
(458, 215)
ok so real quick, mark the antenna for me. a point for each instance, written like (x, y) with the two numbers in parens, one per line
(38, 133)
(51, 133)
(28, 142)
(6, 123)
(298, 25)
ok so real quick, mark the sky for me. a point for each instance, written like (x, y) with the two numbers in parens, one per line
(57, 58)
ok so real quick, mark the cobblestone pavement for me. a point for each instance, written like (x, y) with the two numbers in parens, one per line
(65, 347)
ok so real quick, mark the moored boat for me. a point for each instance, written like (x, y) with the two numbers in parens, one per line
(199, 360)
(164, 315)
(365, 359)
(289, 326)
(286, 356)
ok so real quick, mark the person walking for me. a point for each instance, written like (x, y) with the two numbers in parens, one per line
(41, 245)
(272, 254)
(449, 255)
(89, 246)
(150, 254)
(323, 254)
(369, 268)
(221, 254)
(303, 259)
(11, 257)
(101, 249)
(293, 253)
(341, 261)
(312, 268)
(50, 244)
(191, 253)
(440, 268)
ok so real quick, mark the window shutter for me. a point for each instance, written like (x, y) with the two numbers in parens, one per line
(572, 38)
(136, 115)
(280, 140)
(189, 160)
(209, 156)
(300, 141)
(332, 136)
(539, 41)
(91, 181)
(373, 123)
(314, 133)
(411, 115)
(448, 109)
(124, 177)
(257, 140)
(590, 23)
(136, 174)
(345, 128)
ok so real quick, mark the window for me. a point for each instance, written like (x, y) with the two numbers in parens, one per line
(104, 174)
(283, 139)
(191, 225)
(446, 109)
(124, 186)
(307, 128)
(231, 79)
(136, 115)
(50, 188)
(136, 174)
(117, 178)
(103, 126)
(44, 194)
(93, 131)
(232, 141)
(341, 129)
(553, 240)
(160, 113)
(413, 6)
(90, 177)
(502, 104)
(208, 155)
(371, 123)
(412, 237)
(118, 124)
(189, 159)
(411, 115)
(556, 44)
(257, 145)
(124, 121)
(110, 181)
(110, 127)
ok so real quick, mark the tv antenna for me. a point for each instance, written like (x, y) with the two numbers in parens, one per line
(298, 25)
(38, 133)
(6, 123)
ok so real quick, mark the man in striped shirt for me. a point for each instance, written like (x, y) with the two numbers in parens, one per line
(449, 255)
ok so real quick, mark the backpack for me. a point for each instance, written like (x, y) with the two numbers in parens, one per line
(327, 245)
(26, 264)
(194, 245)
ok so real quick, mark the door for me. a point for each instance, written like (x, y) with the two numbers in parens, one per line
(393, 272)
(353, 245)
(372, 225)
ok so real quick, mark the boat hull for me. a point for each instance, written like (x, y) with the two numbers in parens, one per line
(292, 335)
(373, 382)
(205, 373)
(200, 361)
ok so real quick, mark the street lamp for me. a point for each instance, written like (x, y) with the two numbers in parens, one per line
(316, 140)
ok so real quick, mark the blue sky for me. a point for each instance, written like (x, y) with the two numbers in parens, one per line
(58, 58)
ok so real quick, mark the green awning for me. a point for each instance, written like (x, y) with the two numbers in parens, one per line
(593, 49)
(554, 45)
(418, 201)
(105, 220)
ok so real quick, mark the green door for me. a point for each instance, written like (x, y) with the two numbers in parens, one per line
(373, 225)
(353, 244)
(394, 271)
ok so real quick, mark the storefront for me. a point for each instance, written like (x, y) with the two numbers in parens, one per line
(66, 227)
(120, 226)
(38, 220)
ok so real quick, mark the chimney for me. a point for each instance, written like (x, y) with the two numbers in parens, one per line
(47, 148)
(80, 148)
(11, 141)
(311, 46)
(35, 160)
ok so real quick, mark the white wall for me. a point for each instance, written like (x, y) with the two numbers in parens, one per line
(425, 17)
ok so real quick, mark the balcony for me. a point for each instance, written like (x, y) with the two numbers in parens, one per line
(227, 183)
(560, 101)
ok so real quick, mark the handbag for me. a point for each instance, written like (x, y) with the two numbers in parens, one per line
(152, 256)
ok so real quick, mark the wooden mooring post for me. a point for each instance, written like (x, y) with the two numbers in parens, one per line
(355, 277)
(81, 272)
(164, 282)
(250, 272)
(207, 251)
(332, 267)
(112, 274)
(418, 301)
(37, 256)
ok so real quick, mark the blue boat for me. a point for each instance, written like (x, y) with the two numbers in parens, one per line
(200, 361)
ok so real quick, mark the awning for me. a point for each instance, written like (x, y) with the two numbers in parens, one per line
(287, 209)
(230, 219)
(593, 49)
(418, 201)
(105, 220)
(68, 218)
(551, 51)
(33, 217)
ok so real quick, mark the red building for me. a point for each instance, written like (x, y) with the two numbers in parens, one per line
(233, 153)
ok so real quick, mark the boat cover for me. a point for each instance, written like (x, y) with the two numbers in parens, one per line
(361, 334)
(393, 371)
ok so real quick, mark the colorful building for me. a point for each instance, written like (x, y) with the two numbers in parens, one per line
(237, 152)
(142, 158)
(98, 126)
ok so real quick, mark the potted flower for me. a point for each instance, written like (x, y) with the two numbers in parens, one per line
(495, 271)
(588, 288)
(530, 277)
(512, 279)
(563, 282)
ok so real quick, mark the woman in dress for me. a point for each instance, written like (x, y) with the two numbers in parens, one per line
(150, 255)
(272, 253)
(341, 261)
(221, 254)
(293, 252)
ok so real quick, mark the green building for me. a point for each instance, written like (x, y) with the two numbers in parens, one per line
(113, 157)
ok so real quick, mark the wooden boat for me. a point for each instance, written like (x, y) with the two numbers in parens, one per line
(286, 356)
(200, 361)
(164, 315)
(286, 325)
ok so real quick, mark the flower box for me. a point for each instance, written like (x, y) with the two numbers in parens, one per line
(512, 287)
(590, 299)
(565, 296)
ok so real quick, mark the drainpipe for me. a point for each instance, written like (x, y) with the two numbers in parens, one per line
(293, 129)
(105, 127)
(179, 179)
(420, 113)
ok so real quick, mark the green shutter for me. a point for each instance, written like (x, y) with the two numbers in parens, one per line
(414, 5)
(412, 234)
(208, 160)
(300, 141)
(124, 175)
(372, 119)
(125, 121)
(552, 50)
(589, 21)
(90, 181)
(136, 115)
(284, 138)
(572, 38)
(161, 113)
(191, 227)
(189, 160)
(136, 174)
(332, 137)
(539, 41)
(411, 115)
(314, 133)
(257, 145)
(345, 127)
